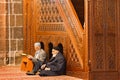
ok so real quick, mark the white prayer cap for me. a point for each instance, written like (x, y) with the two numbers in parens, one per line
(37, 44)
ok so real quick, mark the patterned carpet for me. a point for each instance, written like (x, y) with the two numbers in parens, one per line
(14, 73)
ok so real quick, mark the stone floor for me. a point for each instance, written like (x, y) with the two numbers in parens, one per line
(14, 73)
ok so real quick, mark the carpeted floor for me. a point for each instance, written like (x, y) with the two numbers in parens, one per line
(14, 73)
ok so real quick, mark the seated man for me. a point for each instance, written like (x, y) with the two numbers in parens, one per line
(55, 66)
(38, 58)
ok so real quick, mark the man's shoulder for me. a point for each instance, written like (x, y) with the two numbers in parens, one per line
(60, 55)
(42, 51)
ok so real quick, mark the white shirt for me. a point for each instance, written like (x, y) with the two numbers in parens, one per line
(54, 55)
(37, 54)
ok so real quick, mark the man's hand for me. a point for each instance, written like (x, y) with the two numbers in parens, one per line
(47, 69)
(43, 66)
(30, 56)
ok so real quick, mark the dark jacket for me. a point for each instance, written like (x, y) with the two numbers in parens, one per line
(57, 64)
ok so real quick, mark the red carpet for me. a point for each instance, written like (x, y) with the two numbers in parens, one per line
(14, 73)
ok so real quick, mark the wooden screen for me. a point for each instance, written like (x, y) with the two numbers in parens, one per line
(50, 22)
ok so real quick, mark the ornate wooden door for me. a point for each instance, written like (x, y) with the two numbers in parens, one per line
(103, 39)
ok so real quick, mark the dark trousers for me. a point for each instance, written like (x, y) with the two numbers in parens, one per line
(37, 66)
(47, 73)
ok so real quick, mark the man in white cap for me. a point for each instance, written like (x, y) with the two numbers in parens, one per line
(38, 59)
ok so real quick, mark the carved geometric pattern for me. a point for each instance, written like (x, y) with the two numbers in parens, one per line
(104, 35)
(98, 52)
(48, 17)
(111, 16)
(103, 20)
(73, 59)
(48, 11)
(111, 36)
(99, 16)
(110, 53)
(51, 27)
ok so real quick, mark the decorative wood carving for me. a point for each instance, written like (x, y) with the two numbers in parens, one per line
(48, 11)
(50, 27)
(28, 24)
(55, 21)
(103, 39)
(72, 58)
(44, 22)
(98, 53)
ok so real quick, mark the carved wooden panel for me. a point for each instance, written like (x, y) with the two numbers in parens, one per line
(103, 39)
(104, 76)
(104, 35)
(50, 27)
(28, 26)
(72, 59)
(111, 35)
(44, 23)
(48, 17)
(97, 55)
(48, 11)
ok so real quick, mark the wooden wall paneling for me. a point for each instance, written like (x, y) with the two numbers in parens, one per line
(46, 25)
(48, 21)
(103, 43)
(32, 26)
(119, 33)
(111, 35)
(118, 24)
(28, 24)
(97, 38)
(26, 32)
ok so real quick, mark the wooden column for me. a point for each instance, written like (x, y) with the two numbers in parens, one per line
(2, 32)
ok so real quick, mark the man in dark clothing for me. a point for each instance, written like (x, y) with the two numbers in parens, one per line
(55, 66)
